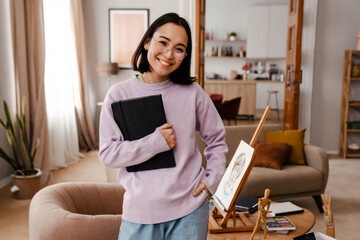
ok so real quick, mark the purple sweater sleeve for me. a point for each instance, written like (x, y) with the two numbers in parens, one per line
(212, 131)
(115, 152)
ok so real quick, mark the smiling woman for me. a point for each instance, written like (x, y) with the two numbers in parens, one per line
(178, 207)
(61, 79)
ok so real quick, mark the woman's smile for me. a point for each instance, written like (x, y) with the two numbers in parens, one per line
(165, 63)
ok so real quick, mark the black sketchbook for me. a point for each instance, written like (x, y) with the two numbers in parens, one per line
(139, 117)
(246, 204)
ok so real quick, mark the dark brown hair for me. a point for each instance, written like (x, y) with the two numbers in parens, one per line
(139, 60)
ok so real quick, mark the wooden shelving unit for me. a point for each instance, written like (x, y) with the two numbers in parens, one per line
(350, 105)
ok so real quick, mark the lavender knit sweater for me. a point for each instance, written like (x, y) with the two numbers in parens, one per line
(161, 195)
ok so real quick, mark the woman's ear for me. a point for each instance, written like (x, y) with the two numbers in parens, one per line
(147, 44)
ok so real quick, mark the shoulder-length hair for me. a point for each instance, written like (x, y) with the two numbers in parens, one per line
(139, 60)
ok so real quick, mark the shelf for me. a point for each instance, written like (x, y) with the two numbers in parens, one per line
(226, 57)
(353, 155)
(226, 41)
(356, 104)
(245, 58)
(347, 134)
(354, 130)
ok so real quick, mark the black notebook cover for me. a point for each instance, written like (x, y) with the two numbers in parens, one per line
(247, 204)
(139, 117)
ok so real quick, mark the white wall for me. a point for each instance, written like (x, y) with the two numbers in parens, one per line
(337, 28)
(7, 90)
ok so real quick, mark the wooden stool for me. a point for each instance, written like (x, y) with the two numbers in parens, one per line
(275, 92)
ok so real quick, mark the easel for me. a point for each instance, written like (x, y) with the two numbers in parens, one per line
(218, 213)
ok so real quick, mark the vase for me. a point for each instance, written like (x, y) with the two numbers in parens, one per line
(245, 76)
(26, 185)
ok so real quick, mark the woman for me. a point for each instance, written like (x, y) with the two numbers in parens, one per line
(167, 203)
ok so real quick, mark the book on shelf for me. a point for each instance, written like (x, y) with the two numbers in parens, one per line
(284, 208)
(280, 223)
(246, 204)
(139, 117)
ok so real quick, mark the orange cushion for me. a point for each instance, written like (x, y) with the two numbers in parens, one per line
(295, 138)
(272, 155)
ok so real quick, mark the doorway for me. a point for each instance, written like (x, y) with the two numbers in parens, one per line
(308, 43)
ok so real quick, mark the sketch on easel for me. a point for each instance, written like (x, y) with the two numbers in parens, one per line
(233, 175)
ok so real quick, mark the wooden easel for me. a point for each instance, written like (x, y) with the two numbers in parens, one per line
(224, 215)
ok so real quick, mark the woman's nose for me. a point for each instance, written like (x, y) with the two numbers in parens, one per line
(169, 54)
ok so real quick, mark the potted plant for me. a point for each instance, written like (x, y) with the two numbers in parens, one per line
(232, 36)
(26, 177)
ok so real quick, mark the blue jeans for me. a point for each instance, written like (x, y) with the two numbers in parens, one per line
(193, 226)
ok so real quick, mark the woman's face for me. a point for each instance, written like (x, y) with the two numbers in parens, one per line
(165, 49)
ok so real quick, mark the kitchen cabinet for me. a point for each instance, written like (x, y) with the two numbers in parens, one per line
(350, 105)
(231, 89)
(266, 31)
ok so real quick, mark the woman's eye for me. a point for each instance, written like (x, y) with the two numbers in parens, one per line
(163, 43)
(179, 50)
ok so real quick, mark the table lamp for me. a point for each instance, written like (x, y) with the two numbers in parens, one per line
(107, 69)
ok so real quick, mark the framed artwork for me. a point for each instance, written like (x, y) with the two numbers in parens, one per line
(127, 27)
(233, 175)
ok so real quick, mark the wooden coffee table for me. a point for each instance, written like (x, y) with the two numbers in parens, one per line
(303, 222)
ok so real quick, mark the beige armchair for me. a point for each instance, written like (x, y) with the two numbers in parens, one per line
(88, 211)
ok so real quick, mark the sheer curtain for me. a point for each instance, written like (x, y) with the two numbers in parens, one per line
(85, 124)
(61, 79)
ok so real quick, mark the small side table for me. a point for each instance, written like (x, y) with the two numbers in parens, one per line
(303, 222)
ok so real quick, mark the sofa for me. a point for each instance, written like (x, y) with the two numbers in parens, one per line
(65, 211)
(289, 182)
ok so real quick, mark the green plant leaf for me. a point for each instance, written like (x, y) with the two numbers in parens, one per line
(24, 162)
(10, 124)
(2, 124)
(7, 158)
(23, 105)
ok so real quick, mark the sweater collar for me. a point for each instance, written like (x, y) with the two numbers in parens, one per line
(152, 86)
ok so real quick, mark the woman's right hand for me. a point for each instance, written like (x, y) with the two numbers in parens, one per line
(168, 133)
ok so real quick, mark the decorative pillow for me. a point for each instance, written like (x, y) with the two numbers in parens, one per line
(272, 155)
(295, 138)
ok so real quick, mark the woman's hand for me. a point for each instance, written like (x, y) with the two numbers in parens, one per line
(201, 187)
(168, 133)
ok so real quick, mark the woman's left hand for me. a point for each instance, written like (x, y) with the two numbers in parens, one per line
(200, 188)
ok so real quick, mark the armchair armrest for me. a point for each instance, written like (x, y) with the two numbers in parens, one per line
(317, 158)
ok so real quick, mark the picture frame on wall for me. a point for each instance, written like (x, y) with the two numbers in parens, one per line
(126, 28)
